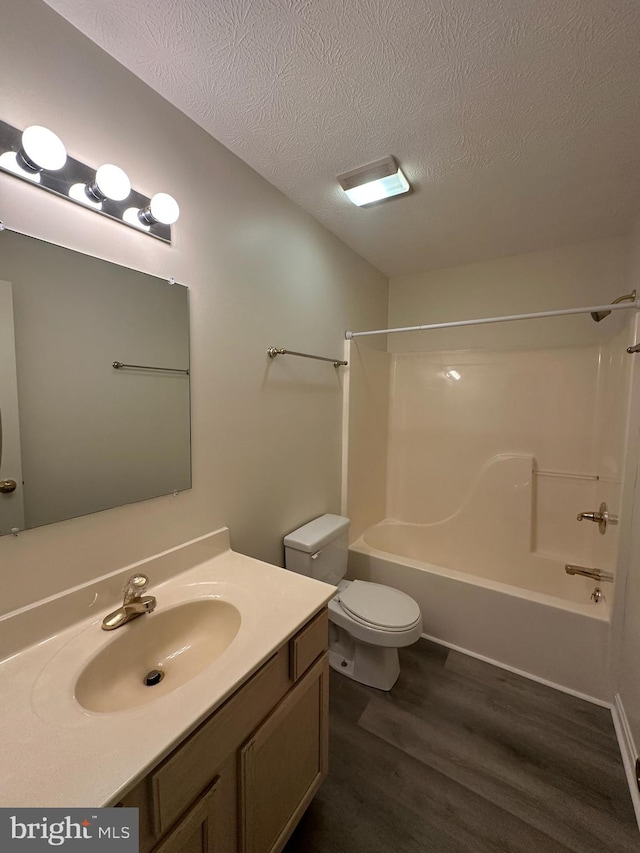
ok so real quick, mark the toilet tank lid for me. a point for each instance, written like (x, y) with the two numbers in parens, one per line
(312, 536)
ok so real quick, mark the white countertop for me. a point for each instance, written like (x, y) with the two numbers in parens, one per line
(53, 752)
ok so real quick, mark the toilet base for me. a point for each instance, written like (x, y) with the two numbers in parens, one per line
(375, 666)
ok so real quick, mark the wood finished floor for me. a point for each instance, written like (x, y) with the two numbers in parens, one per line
(463, 757)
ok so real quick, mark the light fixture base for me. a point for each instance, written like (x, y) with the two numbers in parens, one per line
(74, 172)
(25, 162)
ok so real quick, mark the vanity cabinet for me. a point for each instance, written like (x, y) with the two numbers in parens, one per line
(241, 781)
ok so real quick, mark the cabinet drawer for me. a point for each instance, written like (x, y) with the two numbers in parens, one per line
(177, 782)
(308, 644)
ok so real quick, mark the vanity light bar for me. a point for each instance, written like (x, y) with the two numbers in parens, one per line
(38, 156)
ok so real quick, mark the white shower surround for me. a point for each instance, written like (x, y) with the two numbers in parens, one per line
(482, 588)
(489, 535)
(433, 539)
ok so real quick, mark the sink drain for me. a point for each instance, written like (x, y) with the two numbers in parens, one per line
(154, 677)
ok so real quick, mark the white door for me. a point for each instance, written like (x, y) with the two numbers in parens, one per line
(11, 500)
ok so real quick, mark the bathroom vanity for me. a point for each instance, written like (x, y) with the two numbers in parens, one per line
(225, 752)
(243, 779)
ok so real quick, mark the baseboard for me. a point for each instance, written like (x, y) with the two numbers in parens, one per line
(628, 751)
(530, 676)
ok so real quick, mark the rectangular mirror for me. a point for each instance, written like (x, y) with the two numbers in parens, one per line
(78, 435)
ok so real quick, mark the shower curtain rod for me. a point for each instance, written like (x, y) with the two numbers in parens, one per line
(481, 321)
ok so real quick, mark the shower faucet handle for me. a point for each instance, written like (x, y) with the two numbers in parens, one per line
(590, 516)
(602, 517)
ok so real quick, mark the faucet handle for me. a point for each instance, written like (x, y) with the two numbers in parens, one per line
(135, 586)
(602, 517)
(590, 516)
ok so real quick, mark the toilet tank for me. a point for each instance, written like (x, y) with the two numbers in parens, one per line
(319, 549)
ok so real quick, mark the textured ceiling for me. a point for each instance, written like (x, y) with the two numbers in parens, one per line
(517, 121)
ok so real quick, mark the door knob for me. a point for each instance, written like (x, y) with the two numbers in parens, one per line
(7, 486)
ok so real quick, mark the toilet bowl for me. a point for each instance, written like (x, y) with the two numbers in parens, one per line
(359, 645)
(368, 622)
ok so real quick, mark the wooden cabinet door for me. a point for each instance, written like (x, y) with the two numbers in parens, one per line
(284, 762)
(196, 832)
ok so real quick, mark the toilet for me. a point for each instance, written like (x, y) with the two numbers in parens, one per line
(368, 622)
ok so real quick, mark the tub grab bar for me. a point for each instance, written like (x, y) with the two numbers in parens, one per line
(595, 574)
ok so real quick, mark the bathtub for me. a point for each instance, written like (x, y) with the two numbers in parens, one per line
(524, 614)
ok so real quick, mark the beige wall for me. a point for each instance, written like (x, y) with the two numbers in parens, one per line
(585, 274)
(266, 435)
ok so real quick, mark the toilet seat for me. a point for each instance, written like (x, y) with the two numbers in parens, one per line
(377, 606)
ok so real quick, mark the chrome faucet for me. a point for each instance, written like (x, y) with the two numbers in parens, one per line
(134, 603)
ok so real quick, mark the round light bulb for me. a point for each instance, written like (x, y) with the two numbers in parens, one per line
(111, 182)
(10, 162)
(132, 217)
(42, 149)
(78, 192)
(164, 208)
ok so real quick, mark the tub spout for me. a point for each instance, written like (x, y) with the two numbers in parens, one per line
(595, 574)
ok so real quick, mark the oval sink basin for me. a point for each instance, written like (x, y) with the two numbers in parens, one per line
(165, 649)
